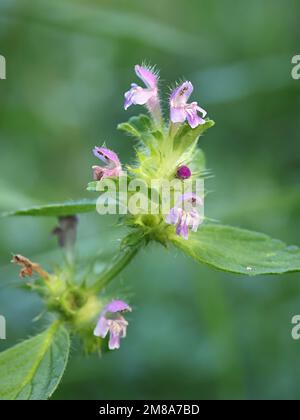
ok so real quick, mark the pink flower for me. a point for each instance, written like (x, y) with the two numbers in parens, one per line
(147, 95)
(113, 166)
(181, 111)
(111, 321)
(141, 96)
(185, 214)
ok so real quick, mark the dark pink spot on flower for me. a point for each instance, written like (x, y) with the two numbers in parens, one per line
(183, 172)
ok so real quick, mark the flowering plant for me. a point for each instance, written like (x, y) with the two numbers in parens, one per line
(160, 198)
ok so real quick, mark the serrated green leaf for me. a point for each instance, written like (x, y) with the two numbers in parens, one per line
(239, 251)
(56, 210)
(33, 369)
(138, 126)
(186, 136)
(129, 129)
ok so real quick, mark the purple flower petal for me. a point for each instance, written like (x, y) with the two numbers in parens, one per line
(117, 306)
(102, 173)
(181, 111)
(178, 229)
(195, 225)
(199, 109)
(113, 166)
(129, 96)
(185, 231)
(181, 94)
(137, 96)
(178, 114)
(192, 115)
(113, 322)
(185, 214)
(124, 325)
(102, 327)
(173, 217)
(148, 95)
(196, 220)
(147, 75)
(114, 341)
(106, 155)
(191, 198)
(194, 120)
(98, 172)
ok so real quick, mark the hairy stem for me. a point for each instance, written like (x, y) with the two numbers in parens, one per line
(117, 265)
(154, 108)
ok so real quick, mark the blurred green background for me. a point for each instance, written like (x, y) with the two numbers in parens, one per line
(194, 333)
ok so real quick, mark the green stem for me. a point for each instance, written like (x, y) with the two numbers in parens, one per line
(155, 111)
(174, 127)
(117, 265)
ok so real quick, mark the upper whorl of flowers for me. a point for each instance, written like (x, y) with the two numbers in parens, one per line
(180, 111)
(138, 95)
